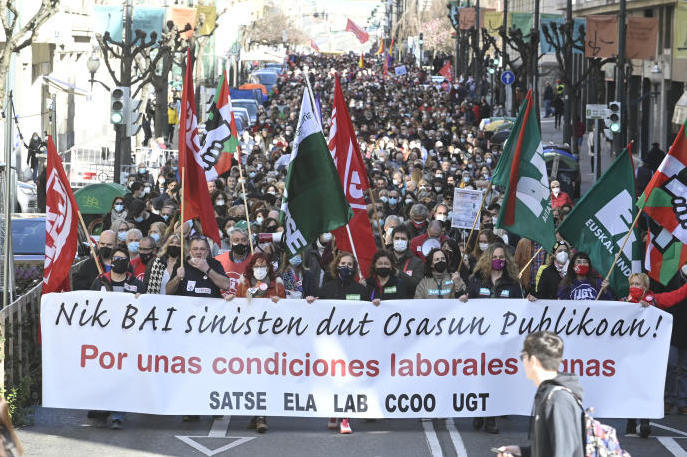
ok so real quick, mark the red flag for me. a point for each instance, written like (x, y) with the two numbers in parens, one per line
(446, 71)
(196, 202)
(357, 235)
(314, 45)
(359, 33)
(61, 225)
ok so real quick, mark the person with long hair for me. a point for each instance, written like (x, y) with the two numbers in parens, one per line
(438, 281)
(552, 273)
(117, 212)
(11, 445)
(260, 280)
(484, 239)
(162, 267)
(384, 282)
(495, 276)
(581, 283)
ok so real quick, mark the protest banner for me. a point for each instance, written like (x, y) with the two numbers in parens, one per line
(403, 359)
(466, 205)
(400, 70)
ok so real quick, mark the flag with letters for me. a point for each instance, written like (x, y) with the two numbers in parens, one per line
(359, 33)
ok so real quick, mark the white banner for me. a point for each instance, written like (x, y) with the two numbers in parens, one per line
(431, 358)
(466, 204)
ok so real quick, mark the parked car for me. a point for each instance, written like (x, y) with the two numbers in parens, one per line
(568, 173)
(241, 113)
(250, 105)
(276, 67)
(266, 78)
(27, 197)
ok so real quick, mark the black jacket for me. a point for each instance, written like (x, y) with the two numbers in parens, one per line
(335, 290)
(394, 289)
(556, 429)
(83, 278)
(504, 288)
(547, 287)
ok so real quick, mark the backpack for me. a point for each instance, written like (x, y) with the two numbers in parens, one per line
(600, 440)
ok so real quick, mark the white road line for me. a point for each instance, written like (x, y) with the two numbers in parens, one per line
(432, 438)
(670, 429)
(672, 446)
(220, 427)
(456, 439)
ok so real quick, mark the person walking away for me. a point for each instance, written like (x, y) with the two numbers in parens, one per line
(10, 441)
(548, 99)
(556, 428)
(558, 108)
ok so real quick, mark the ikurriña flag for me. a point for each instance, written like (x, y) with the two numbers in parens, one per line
(61, 225)
(196, 197)
(221, 140)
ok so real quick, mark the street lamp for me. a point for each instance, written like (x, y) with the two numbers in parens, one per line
(93, 64)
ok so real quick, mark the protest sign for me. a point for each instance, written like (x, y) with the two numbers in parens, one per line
(431, 358)
(400, 70)
(466, 204)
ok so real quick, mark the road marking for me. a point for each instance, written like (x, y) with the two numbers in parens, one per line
(456, 439)
(219, 429)
(672, 446)
(432, 438)
(670, 429)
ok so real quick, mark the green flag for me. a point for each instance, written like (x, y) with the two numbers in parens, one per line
(600, 221)
(314, 201)
(526, 208)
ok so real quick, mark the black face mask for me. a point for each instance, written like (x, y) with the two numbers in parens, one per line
(145, 258)
(239, 249)
(345, 273)
(174, 251)
(384, 272)
(105, 252)
(120, 265)
(440, 267)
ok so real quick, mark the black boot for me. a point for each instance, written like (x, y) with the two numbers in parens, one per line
(644, 428)
(631, 426)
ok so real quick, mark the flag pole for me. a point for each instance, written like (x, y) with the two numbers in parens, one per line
(355, 254)
(474, 224)
(88, 239)
(245, 205)
(530, 262)
(620, 251)
(183, 239)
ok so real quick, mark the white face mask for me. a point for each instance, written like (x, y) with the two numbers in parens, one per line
(440, 217)
(400, 245)
(326, 237)
(259, 220)
(562, 257)
(483, 246)
(556, 191)
(260, 273)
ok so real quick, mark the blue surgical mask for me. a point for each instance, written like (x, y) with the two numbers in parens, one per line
(155, 236)
(121, 236)
(251, 174)
(119, 207)
(142, 171)
(132, 246)
(296, 260)
(393, 201)
(165, 217)
(139, 219)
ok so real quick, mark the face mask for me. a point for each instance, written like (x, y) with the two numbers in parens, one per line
(105, 252)
(345, 272)
(483, 246)
(498, 264)
(581, 270)
(440, 217)
(146, 190)
(259, 220)
(562, 257)
(384, 199)
(556, 191)
(119, 207)
(418, 224)
(174, 251)
(400, 245)
(259, 273)
(295, 260)
(440, 266)
(132, 246)
(494, 219)
(383, 272)
(437, 188)
(636, 292)
(251, 174)
(121, 236)
(142, 171)
(145, 258)
(393, 201)
(397, 183)
(326, 237)
(120, 265)
(466, 179)
(409, 201)
(161, 181)
(138, 219)
(219, 203)
(165, 217)
(239, 249)
(155, 236)
(488, 161)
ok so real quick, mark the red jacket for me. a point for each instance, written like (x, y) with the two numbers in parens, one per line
(665, 299)
(562, 199)
(416, 244)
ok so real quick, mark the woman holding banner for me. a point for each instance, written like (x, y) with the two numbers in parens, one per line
(438, 282)
(550, 275)
(161, 269)
(384, 282)
(580, 283)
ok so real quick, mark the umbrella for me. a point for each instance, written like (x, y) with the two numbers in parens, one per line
(97, 198)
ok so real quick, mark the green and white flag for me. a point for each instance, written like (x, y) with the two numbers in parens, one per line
(314, 201)
(600, 221)
(521, 170)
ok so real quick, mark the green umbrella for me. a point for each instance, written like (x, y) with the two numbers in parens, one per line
(97, 198)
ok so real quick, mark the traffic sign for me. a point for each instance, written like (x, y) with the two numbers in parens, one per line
(507, 77)
(596, 111)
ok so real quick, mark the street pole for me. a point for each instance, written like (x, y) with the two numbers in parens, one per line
(7, 244)
(597, 148)
(535, 60)
(504, 57)
(567, 91)
(122, 142)
(477, 67)
(620, 139)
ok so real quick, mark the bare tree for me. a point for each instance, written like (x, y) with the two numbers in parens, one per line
(269, 29)
(16, 38)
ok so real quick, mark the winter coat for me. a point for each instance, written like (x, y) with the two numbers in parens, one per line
(334, 289)
(587, 289)
(504, 288)
(439, 285)
(547, 285)
(396, 288)
(663, 300)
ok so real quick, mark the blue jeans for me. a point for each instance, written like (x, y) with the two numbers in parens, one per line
(676, 378)
(547, 108)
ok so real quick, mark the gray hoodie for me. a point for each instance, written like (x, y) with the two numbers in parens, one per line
(556, 429)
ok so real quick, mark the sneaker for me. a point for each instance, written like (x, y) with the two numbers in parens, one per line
(345, 427)
(116, 424)
(333, 423)
(261, 424)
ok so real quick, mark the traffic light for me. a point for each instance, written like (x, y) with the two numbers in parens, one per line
(421, 40)
(614, 117)
(133, 118)
(119, 105)
(454, 15)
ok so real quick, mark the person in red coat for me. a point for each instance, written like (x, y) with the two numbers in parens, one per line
(422, 244)
(558, 197)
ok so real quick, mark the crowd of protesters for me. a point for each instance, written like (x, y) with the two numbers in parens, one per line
(420, 141)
